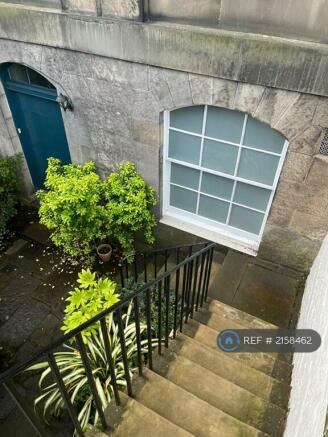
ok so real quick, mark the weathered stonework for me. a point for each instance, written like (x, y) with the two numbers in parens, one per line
(118, 108)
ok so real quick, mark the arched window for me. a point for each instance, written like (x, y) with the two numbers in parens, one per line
(221, 169)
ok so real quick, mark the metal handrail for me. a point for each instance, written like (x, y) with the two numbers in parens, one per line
(165, 249)
(191, 298)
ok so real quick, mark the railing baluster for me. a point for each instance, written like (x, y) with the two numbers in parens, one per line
(145, 268)
(121, 275)
(148, 317)
(176, 302)
(126, 269)
(209, 272)
(138, 338)
(194, 287)
(205, 278)
(159, 325)
(91, 381)
(25, 408)
(167, 308)
(165, 262)
(135, 269)
(123, 350)
(67, 400)
(189, 280)
(109, 356)
(155, 265)
(200, 281)
(183, 295)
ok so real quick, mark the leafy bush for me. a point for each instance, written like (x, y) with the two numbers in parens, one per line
(72, 207)
(81, 209)
(129, 198)
(73, 372)
(87, 300)
(10, 180)
(132, 286)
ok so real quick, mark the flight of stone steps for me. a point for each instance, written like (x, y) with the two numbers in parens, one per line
(197, 390)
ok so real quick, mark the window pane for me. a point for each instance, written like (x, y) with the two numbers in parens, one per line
(190, 119)
(37, 79)
(18, 72)
(217, 186)
(213, 209)
(258, 166)
(188, 177)
(183, 199)
(184, 147)
(219, 156)
(246, 219)
(254, 197)
(261, 136)
(224, 124)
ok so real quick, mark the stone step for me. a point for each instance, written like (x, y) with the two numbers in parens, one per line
(186, 410)
(221, 393)
(134, 419)
(225, 311)
(256, 382)
(265, 362)
(215, 321)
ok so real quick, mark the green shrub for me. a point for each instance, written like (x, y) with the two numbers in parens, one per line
(10, 179)
(72, 207)
(129, 199)
(87, 300)
(81, 209)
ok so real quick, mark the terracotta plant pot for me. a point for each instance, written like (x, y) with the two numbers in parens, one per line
(104, 252)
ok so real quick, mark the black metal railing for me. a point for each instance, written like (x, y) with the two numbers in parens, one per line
(186, 283)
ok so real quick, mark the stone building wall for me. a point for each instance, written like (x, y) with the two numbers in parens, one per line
(117, 116)
(309, 395)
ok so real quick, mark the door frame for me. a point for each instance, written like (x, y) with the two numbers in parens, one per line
(50, 94)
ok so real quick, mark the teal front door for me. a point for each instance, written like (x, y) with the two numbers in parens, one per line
(37, 117)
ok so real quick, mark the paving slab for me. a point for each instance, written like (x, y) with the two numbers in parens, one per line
(16, 246)
(267, 294)
(224, 284)
(37, 232)
(263, 289)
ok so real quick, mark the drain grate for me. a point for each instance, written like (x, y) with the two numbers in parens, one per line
(324, 145)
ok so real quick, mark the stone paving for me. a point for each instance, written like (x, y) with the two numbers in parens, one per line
(264, 289)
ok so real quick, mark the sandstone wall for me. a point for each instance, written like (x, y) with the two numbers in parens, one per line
(118, 117)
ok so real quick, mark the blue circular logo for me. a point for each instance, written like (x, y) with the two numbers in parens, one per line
(228, 340)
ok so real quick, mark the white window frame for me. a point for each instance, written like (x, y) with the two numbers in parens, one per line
(223, 234)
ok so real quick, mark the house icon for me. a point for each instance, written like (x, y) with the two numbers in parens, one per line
(229, 341)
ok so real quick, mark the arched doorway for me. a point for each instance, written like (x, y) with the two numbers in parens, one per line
(37, 117)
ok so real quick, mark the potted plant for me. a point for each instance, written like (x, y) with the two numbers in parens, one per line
(104, 252)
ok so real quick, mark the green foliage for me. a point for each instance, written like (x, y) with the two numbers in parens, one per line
(73, 372)
(132, 286)
(87, 300)
(82, 210)
(10, 180)
(129, 198)
(72, 206)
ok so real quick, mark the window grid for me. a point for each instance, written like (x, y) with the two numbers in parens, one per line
(219, 198)
(233, 177)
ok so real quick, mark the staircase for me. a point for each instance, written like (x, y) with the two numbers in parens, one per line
(195, 389)
(188, 387)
